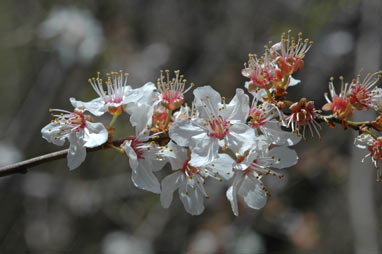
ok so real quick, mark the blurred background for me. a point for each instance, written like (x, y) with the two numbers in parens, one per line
(328, 203)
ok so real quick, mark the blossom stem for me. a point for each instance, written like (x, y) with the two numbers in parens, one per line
(371, 134)
(354, 125)
(348, 109)
(169, 114)
(357, 124)
(285, 81)
(116, 148)
(112, 122)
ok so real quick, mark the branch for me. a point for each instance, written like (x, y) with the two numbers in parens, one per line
(23, 166)
(354, 125)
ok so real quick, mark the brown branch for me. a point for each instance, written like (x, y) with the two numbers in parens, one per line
(354, 125)
(23, 166)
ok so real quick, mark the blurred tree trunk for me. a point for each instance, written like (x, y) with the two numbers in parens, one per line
(362, 177)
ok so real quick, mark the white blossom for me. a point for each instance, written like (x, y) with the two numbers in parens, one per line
(189, 179)
(250, 169)
(145, 157)
(374, 146)
(79, 130)
(218, 124)
(116, 95)
(263, 119)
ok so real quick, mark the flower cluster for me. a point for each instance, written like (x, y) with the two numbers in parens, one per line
(356, 95)
(239, 142)
(362, 95)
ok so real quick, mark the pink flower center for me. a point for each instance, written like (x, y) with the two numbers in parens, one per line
(136, 145)
(257, 117)
(115, 84)
(218, 128)
(249, 170)
(189, 170)
(113, 99)
(263, 77)
(77, 118)
(172, 90)
(339, 104)
(376, 149)
(172, 99)
(159, 118)
(360, 97)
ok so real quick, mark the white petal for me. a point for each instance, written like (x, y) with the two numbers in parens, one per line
(95, 134)
(237, 110)
(279, 136)
(252, 155)
(233, 200)
(192, 199)
(246, 72)
(154, 164)
(204, 152)
(145, 179)
(364, 140)
(97, 106)
(204, 93)
(128, 90)
(257, 94)
(240, 138)
(141, 117)
(50, 133)
(287, 156)
(169, 184)
(253, 194)
(292, 81)
(232, 193)
(77, 151)
(133, 158)
(143, 95)
(178, 156)
(223, 165)
(262, 142)
(376, 98)
(183, 130)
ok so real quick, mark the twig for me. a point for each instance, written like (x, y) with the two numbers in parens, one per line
(354, 125)
(23, 166)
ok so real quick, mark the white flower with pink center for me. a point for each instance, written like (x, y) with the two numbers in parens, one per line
(172, 90)
(145, 156)
(262, 72)
(218, 124)
(80, 131)
(112, 99)
(144, 159)
(190, 179)
(250, 169)
(140, 106)
(263, 119)
(374, 146)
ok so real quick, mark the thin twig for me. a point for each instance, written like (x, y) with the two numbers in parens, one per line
(23, 166)
(351, 124)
